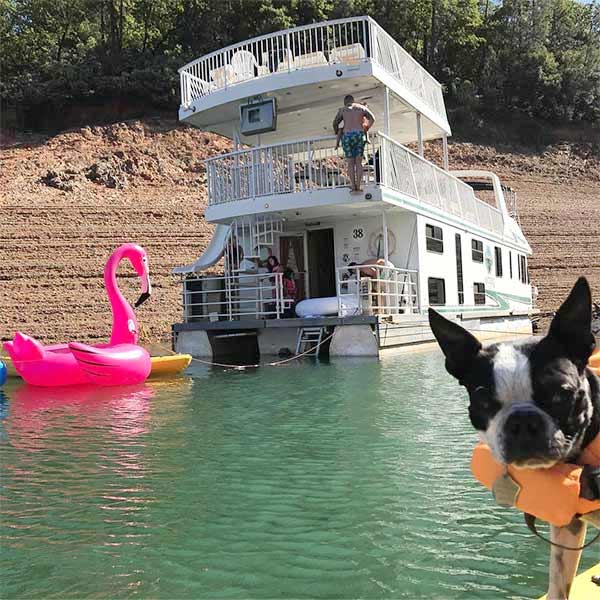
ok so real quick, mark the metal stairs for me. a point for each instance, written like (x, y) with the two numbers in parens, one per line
(309, 340)
(254, 233)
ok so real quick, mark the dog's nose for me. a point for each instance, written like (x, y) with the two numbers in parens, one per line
(524, 429)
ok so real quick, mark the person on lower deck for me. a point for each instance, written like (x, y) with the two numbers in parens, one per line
(289, 292)
(357, 119)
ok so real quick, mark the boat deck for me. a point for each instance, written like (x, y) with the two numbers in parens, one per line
(254, 324)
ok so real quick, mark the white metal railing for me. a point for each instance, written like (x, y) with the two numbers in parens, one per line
(316, 164)
(344, 41)
(376, 290)
(282, 168)
(233, 297)
(411, 174)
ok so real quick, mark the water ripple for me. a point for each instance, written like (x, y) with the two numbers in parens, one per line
(341, 480)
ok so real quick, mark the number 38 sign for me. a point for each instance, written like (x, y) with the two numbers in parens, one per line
(358, 233)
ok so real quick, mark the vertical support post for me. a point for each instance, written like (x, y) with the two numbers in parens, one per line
(236, 179)
(386, 111)
(306, 265)
(338, 291)
(445, 151)
(419, 135)
(386, 247)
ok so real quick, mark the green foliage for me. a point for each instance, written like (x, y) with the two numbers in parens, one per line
(538, 57)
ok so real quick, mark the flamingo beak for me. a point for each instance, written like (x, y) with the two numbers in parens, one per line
(146, 290)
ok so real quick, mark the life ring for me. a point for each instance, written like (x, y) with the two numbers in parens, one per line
(376, 242)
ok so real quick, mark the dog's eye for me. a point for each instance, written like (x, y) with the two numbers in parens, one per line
(481, 396)
(565, 396)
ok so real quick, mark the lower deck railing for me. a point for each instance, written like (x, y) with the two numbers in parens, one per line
(376, 290)
(233, 297)
(361, 290)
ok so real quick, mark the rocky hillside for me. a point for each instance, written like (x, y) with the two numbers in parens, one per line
(67, 201)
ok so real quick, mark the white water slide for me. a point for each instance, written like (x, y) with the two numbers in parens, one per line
(211, 255)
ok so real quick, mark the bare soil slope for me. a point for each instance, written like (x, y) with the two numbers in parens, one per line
(66, 202)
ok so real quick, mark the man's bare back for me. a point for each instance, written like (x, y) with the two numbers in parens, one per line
(353, 117)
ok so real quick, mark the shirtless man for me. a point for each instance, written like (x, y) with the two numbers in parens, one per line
(354, 137)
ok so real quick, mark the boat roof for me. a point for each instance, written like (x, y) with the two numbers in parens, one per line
(309, 70)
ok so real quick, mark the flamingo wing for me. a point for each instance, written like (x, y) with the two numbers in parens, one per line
(121, 364)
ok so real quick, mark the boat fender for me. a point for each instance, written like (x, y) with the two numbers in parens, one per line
(556, 495)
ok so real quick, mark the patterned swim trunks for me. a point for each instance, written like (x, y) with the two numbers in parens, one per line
(353, 143)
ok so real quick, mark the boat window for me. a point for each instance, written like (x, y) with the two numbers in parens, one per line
(437, 291)
(498, 256)
(479, 292)
(523, 269)
(510, 262)
(459, 270)
(477, 250)
(435, 239)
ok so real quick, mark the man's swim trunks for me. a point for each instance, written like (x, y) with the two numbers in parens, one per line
(353, 143)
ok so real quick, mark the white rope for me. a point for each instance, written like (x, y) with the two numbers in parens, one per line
(276, 363)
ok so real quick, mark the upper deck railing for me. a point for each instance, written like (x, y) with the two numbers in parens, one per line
(313, 164)
(344, 41)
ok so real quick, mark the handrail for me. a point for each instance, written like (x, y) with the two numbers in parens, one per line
(307, 164)
(322, 138)
(404, 52)
(437, 169)
(327, 43)
(236, 295)
(387, 290)
(266, 36)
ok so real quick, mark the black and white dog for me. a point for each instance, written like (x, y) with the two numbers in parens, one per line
(534, 402)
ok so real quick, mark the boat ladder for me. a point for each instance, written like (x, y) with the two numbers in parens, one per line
(309, 340)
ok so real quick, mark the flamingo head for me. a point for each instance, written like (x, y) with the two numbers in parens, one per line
(139, 261)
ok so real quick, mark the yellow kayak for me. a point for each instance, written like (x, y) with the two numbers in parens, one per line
(169, 365)
(583, 586)
(161, 365)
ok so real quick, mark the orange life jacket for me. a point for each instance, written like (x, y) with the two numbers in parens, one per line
(551, 495)
(594, 362)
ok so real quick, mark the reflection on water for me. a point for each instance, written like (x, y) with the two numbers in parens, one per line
(347, 479)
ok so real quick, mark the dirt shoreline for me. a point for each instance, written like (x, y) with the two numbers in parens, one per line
(67, 201)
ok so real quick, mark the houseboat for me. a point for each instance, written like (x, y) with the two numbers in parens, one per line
(365, 265)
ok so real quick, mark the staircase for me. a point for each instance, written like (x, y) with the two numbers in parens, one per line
(252, 232)
(309, 340)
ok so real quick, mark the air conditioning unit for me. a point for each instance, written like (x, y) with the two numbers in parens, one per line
(258, 116)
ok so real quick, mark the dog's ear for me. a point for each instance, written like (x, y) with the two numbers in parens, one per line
(458, 345)
(572, 324)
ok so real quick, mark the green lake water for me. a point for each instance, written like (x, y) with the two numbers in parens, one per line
(347, 479)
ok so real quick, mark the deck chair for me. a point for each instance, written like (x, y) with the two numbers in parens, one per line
(350, 54)
(222, 76)
(310, 59)
(244, 64)
(287, 63)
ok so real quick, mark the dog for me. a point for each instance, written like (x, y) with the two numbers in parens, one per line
(534, 402)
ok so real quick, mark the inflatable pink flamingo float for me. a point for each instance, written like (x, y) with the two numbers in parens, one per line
(120, 362)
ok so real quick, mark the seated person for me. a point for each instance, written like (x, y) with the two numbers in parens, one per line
(289, 292)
